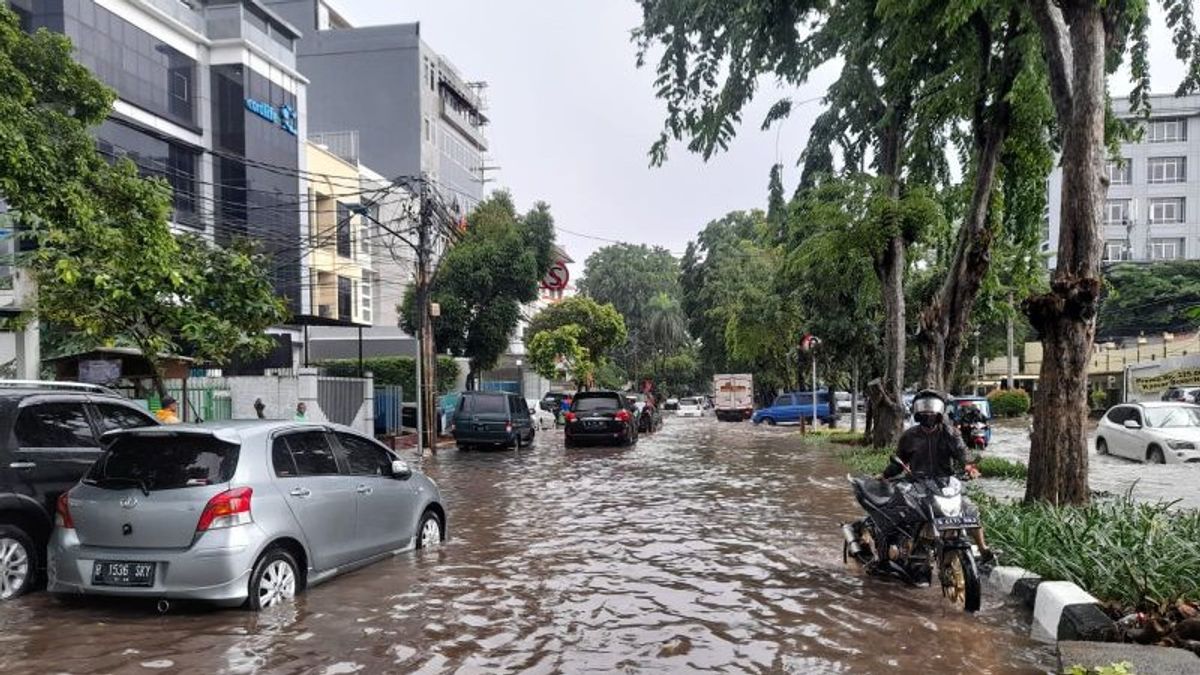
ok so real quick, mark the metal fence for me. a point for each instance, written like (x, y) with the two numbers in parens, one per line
(208, 399)
(508, 386)
(341, 398)
(389, 410)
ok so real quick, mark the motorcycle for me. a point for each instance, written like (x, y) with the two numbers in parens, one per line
(975, 435)
(913, 526)
(649, 420)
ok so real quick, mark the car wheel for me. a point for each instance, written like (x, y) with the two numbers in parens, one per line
(1101, 446)
(274, 581)
(429, 532)
(1155, 456)
(770, 421)
(18, 562)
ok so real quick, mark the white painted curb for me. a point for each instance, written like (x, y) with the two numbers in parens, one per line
(1003, 579)
(1052, 598)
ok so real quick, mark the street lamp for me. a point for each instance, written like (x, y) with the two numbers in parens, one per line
(520, 378)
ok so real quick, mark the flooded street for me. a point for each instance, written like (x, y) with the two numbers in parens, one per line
(1114, 475)
(707, 547)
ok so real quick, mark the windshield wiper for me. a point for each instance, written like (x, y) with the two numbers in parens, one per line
(137, 482)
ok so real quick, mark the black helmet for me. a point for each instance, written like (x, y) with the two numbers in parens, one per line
(928, 406)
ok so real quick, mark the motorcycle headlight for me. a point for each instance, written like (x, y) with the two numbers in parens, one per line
(949, 506)
(1181, 445)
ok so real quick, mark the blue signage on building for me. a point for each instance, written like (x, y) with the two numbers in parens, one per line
(285, 116)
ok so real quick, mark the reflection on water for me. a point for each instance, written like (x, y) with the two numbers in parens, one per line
(707, 547)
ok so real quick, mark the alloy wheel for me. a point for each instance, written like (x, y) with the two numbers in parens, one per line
(278, 584)
(14, 568)
(431, 533)
(954, 581)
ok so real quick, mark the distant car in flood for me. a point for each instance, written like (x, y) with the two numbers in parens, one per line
(691, 406)
(1152, 431)
(248, 512)
(603, 417)
(792, 407)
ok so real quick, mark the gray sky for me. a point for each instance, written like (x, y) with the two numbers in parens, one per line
(572, 117)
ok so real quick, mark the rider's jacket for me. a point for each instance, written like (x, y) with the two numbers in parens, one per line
(939, 451)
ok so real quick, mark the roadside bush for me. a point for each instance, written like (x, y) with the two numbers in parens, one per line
(1099, 399)
(394, 370)
(998, 467)
(1141, 556)
(871, 461)
(1009, 402)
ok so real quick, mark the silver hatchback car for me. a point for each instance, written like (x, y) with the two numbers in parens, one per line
(237, 512)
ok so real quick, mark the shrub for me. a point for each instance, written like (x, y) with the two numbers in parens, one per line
(998, 467)
(394, 370)
(1009, 402)
(1099, 399)
(1141, 555)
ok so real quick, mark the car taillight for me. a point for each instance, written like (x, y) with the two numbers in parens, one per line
(508, 428)
(622, 416)
(62, 513)
(570, 416)
(231, 507)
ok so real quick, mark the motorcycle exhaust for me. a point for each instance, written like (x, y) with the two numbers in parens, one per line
(851, 539)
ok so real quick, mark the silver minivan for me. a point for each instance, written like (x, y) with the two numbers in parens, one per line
(244, 512)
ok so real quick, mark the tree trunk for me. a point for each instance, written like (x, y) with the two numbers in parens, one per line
(472, 379)
(1065, 317)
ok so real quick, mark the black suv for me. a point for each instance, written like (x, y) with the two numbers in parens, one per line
(49, 437)
(600, 417)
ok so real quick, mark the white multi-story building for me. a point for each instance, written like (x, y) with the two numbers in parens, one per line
(1152, 211)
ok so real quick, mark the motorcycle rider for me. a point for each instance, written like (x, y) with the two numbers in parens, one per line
(933, 447)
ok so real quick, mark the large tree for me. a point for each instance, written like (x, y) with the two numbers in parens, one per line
(484, 279)
(602, 329)
(628, 276)
(1083, 41)
(106, 262)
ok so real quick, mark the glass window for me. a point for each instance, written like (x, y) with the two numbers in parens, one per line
(1114, 250)
(281, 459)
(312, 453)
(122, 417)
(1119, 414)
(54, 425)
(345, 298)
(1120, 171)
(1116, 211)
(1167, 169)
(1166, 249)
(1166, 130)
(1173, 417)
(1168, 210)
(587, 404)
(489, 404)
(165, 463)
(365, 457)
(344, 228)
(804, 399)
(1134, 414)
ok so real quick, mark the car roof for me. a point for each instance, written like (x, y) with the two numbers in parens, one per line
(231, 431)
(1161, 404)
(598, 393)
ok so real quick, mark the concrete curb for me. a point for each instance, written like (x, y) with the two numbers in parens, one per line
(1061, 609)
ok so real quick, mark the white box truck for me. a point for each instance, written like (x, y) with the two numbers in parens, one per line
(733, 397)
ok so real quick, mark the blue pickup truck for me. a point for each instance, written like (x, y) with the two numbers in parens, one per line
(791, 407)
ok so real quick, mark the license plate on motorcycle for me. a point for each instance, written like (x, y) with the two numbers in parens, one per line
(955, 522)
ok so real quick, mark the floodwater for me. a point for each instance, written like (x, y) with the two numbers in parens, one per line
(706, 548)
(1114, 475)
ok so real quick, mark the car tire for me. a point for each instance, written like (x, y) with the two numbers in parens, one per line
(1155, 455)
(770, 421)
(274, 580)
(18, 562)
(430, 531)
(1101, 446)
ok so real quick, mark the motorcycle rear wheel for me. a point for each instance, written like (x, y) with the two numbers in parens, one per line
(960, 579)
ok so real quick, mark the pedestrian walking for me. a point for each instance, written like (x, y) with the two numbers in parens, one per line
(301, 412)
(260, 409)
(169, 412)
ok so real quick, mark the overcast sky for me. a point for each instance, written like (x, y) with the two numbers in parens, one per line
(572, 118)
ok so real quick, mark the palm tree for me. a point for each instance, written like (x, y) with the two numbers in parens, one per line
(666, 326)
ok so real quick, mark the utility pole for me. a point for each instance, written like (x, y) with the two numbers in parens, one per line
(427, 426)
(1010, 343)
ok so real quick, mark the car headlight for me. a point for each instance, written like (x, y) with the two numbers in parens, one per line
(1181, 445)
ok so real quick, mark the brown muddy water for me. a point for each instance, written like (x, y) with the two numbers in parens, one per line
(706, 548)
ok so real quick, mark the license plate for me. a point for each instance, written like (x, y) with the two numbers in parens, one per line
(594, 424)
(115, 573)
(955, 522)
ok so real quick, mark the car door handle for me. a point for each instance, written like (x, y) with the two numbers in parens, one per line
(300, 492)
(22, 466)
(363, 490)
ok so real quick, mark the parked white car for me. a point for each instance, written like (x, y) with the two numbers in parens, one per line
(541, 419)
(1154, 431)
(691, 407)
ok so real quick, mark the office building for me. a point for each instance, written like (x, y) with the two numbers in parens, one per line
(413, 113)
(1152, 210)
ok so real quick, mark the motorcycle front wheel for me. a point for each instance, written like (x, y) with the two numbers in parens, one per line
(960, 579)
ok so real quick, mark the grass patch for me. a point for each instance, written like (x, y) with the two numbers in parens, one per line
(1136, 555)
(873, 462)
(998, 467)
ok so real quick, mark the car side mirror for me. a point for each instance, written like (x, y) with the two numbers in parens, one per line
(1133, 424)
(401, 470)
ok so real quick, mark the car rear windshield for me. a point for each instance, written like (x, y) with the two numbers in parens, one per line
(164, 463)
(488, 404)
(597, 403)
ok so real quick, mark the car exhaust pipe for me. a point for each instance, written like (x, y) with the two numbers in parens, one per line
(164, 606)
(851, 539)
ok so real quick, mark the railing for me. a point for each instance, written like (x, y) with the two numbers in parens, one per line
(344, 144)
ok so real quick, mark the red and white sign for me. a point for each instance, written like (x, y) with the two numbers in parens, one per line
(809, 342)
(556, 277)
